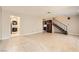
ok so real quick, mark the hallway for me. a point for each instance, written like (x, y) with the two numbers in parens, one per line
(41, 42)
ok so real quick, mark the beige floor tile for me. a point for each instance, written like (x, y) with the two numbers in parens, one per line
(41, 42)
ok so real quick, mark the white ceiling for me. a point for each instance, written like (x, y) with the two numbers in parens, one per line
(43, 10)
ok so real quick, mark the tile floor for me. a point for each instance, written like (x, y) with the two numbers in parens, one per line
(41, 42)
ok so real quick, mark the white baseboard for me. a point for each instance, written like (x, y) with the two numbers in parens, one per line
(27, 34)
(4, 38)
(73, 34)
(31, 33)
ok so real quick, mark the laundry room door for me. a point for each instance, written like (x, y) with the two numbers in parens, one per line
(15, 25)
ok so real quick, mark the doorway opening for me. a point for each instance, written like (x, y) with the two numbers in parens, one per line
(15, 25)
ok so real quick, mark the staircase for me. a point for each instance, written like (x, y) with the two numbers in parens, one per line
(62, 27)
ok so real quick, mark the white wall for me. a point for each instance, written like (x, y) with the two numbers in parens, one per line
(72, 24)
(5, 24)
(73, 27)
(0, 23)
(30, 24)
(6, 27)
